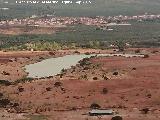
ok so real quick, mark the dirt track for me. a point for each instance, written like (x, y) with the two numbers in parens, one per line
(135, 87)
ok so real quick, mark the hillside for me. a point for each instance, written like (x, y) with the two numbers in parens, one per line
(97, 7)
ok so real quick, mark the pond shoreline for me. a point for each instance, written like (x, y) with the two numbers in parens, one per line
(116, 83)
(48, 63)
(12, 62)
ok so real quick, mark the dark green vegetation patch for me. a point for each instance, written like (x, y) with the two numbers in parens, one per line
(142, 34)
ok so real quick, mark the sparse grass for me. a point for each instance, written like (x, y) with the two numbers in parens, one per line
(84, 62)
(84, 77)
(23, 80)
(37, 117)
(4, 102)
(5, 82)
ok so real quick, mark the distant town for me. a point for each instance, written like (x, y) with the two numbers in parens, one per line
(51, 2)
(54, 2)
(51, 21)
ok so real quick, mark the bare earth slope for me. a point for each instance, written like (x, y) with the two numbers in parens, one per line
(128, 86)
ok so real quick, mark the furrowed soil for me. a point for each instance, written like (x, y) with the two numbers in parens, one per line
(129, 86)
(19, 30)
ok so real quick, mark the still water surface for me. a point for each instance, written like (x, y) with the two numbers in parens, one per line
(53, 66)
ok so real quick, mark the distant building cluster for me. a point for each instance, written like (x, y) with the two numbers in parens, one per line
(4, 8)
(53, 2)
(146, 16)
(100, 21)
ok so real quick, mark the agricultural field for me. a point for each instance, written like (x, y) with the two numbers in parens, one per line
(142, 34)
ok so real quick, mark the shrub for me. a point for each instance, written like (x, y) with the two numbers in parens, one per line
(48, 89)
(105, 78)
(60, 75)
(58, 84)
(1, 95)
(121, 45)
(95, 106)
(5, 73)
(93, 56)
(95, 78)
(104, 91)
(63, 89)
(145, 110)
(51, 53)
(84, 76)
(63, 71)
(23, 80)
(20, 89)
(10, 60)
(84, 62)
(133, 68)
(149, 95)
(49, 77)
(4, 102)
(155, 51)
(87, 53)
(146, 56)
(41, 58)
(15, 105)
(5, 82)
(137, 51)
(115, 73)
(74, 108)
(77, 52)
(86, 68)
(117, 118)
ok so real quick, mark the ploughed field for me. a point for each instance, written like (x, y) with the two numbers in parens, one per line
(30, 30)
(126, 85)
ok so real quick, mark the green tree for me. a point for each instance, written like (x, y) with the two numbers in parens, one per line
(94, 44)
(121, 45)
